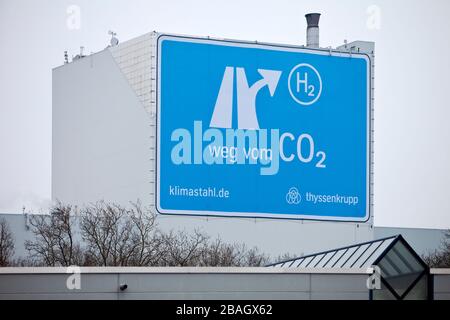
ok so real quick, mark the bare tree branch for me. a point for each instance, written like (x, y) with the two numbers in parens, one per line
(6, 244)
(113, 235)
(440, 258)
(54, 243)
(183, 249)
(117, 236)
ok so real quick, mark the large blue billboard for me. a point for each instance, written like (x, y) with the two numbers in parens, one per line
(258, 130)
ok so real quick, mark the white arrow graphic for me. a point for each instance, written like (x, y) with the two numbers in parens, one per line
(246, 96)
(223, 110)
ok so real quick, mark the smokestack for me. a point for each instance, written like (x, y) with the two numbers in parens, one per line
(312, 31)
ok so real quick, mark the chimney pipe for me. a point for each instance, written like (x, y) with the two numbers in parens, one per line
(312, 31)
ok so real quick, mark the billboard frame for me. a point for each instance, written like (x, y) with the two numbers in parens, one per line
(281, 47)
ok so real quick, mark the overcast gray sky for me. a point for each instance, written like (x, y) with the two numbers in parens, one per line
(412, 84)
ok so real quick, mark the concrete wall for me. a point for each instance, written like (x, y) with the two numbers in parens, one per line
(196, 283)
(184, 283)
(100, 134)
(441, 283)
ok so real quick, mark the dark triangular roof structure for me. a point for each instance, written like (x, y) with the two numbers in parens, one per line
(403, 273)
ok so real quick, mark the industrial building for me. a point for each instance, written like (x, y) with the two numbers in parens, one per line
(106, 146)
(104, 132)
